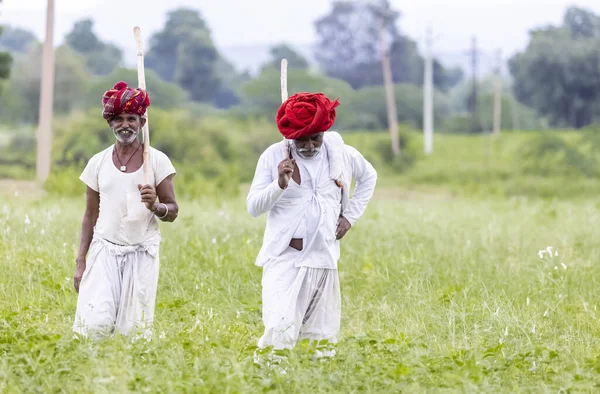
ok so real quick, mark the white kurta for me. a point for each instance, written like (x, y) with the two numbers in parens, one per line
(301, 291)
(118, 288)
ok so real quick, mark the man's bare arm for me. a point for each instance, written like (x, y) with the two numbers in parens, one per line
(166, 195)
(92, 210)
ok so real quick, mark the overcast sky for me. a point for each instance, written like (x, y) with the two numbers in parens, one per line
(497, 23)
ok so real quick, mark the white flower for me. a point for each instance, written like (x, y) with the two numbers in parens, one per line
(214, 241)
(42, 232)
(546, 313)
(563, 265)
(506, 331)
(533, 329)
(197, 323)
(162, 335)
(541, 254)
(237, 313)
(527, 301)
(27, 221)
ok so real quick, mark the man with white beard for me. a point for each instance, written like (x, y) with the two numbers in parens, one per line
(117, 268)
(303, 184)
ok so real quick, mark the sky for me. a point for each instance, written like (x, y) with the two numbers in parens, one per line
(497, 24)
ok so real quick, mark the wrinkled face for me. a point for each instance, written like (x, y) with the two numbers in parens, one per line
(310, 146)
(126, 127)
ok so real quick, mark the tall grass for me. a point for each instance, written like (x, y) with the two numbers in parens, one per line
(442, 295)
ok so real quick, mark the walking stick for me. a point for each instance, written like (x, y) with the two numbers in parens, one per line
(137, 33)
(284, 96)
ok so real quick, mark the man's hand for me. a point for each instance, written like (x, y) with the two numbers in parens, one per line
(79, 270)
(286, 170)
(148, 193)
(343, 225)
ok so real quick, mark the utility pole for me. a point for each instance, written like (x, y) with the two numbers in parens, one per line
(428, 95)
(498, 95)
(44, 134)
(474, 98)
(386, 65)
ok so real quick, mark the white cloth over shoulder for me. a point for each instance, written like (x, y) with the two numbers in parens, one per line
(123, 218)
(118, 289)
(286, 208)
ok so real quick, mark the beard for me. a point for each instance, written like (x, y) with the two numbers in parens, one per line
(125, 135)
(308, 154)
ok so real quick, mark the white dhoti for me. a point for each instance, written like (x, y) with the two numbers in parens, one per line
(298, 303)
(118, 289)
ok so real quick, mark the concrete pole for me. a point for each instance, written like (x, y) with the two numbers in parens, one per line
(428, 96)
(498, 96)
(44, 134)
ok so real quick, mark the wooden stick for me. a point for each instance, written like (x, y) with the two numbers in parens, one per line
(284, 92)
(284, 96)
(137, 33)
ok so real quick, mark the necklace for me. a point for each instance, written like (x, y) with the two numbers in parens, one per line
(124, 166)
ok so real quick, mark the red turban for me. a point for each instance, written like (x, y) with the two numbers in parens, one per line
(305, 114)
(122, 99)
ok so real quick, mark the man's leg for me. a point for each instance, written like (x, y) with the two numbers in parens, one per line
(99, 294)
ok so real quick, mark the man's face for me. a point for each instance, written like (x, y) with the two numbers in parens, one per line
(126, 127)
(309, 146)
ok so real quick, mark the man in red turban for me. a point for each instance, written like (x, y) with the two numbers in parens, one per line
(303, 183)
(117, 268)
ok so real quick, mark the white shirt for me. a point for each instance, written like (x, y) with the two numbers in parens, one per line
(316, 202)
(123, 217)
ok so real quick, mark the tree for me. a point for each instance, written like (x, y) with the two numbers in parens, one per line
(71, 79)
(295, 60)
(349, 47)
(101, 58)
(558, 74)
(228, 93)
(195, 70)
(15, 39)
(183, 52)
(5, 62)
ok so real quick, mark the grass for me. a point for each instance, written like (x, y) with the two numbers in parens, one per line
(439, 295)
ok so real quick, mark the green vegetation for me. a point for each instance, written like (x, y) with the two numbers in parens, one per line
(438, 294)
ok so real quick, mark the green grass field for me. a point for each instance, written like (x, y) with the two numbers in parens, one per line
(443, 286)
(439, 295)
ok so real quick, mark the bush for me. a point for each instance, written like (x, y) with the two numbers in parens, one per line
(549, 155)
